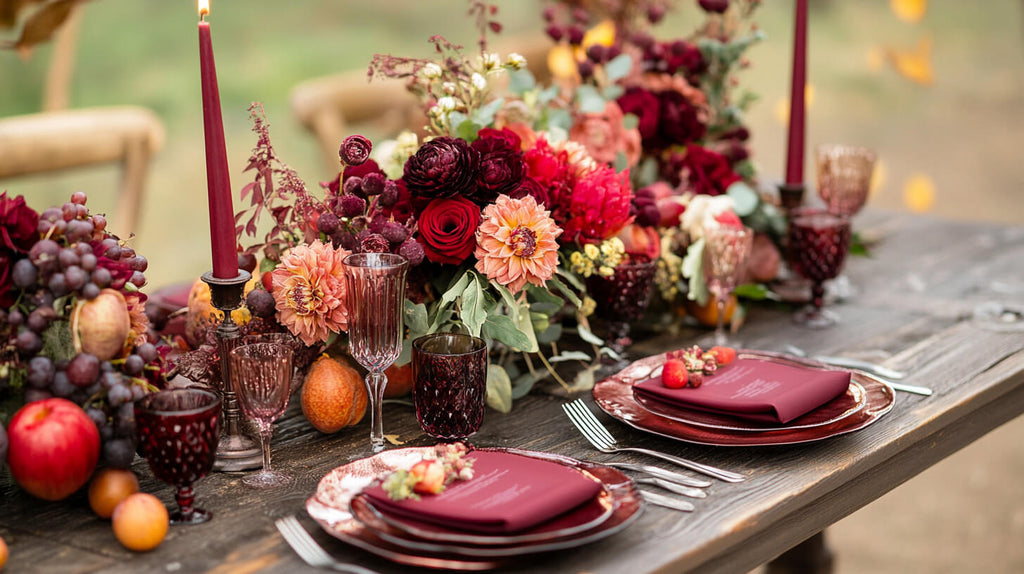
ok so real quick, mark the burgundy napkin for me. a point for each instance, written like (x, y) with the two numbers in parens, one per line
(508, 493)
(754, 389)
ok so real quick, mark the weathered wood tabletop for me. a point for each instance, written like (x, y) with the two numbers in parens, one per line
(916, 294)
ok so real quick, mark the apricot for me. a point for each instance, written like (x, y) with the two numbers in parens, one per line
(140, 522)
(109, 487)
(333, 395)
(3, 553)
(707, 314)
(399, 381)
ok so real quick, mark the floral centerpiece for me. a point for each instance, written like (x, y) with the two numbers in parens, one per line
(73, 321)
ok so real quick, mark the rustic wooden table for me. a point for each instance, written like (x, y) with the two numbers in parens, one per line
(913, 311)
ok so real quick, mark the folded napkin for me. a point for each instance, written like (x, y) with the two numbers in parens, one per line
(508, 493)
(755, 389)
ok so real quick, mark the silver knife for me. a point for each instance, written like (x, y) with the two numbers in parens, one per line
(663, 474)
(862, 365)
(673, 487)
(667, 502)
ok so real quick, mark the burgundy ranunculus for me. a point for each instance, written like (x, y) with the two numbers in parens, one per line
(678, 120)
(683, 54)
(706, 171)
(501, 165)
(646, 107)
(447, 229)
(510, 137)
(355, 150)
(443, 167)
(362, 170)
(19, 224)
(716, 6)
(401, 209)
(533, 188)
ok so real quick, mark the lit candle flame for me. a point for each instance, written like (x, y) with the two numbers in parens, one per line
(204, 7)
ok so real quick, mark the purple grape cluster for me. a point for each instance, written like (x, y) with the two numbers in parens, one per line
(75, 259)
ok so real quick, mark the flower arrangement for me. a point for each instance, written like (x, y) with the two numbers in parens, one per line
(73, 322)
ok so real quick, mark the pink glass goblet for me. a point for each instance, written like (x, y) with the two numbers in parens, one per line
(621, 300)
(818, 242)
(449, 373)
(261, 374)
(376, 296)
(844, 177)
(178, 434)
(726, 250)
(288, 340)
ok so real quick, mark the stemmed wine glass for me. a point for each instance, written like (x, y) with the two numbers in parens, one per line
(376, 295)
(844, 183)
(818, 242)
(178, 434)
(726, 250)
(262, 374)
(622, 299)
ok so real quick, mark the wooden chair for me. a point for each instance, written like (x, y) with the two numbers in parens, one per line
(57, 140)
(330, 107)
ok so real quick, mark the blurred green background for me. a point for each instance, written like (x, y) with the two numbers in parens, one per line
(949, 148)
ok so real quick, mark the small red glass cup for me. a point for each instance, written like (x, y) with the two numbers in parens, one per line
(449, 373)
(178, 434)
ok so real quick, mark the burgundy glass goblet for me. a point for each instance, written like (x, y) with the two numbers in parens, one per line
(262, 373)
(818, 242)
(622, 299)
(178, 434)
(726, 250)
(376, 296)
(449, 373)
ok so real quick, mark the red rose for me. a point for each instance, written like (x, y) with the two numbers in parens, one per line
(678, 122)
(447, 229)
(646, 107)
(19, 224)
(706, 171)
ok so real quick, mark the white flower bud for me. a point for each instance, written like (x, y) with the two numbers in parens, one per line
(446, 104)
(448, 87)
(478, 82)
(516, 61)
(431, 71)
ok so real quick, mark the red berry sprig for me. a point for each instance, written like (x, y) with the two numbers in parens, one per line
(688, 367)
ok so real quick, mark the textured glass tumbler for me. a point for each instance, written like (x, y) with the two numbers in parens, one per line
(818, 243)
(449, 373)
(178, 434)
(262, 375)
(726, 250)
(376, 301)
(622, 299)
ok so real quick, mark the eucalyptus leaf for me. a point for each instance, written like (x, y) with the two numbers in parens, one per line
(587, 335)
(472, 310)
(571, 278)
(542, 295)
(547, 94)
(416, 317)
(618, 67)
(569, 356)
(621, 161)
(612, 92)
(526, 327)
(590, 101)
(630, 121)
(546, 307)
(550, 335)
(509, 299)
(499, 389)
(584, 380)
(484, 115)
(525, 382)
(501, 328)
(744, 197)
(755, 292)
(569, 294)
(693, 269)
(468, 130)
(521, 81)
(455, 290)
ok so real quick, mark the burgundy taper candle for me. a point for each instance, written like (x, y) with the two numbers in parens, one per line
(218, 181)
(797, 129)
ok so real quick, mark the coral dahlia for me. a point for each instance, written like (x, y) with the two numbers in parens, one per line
(309, 291)
(516, 243)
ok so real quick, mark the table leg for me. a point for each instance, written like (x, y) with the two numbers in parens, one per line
(812, 556)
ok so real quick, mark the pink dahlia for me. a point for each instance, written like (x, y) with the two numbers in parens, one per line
(516, 243)
(599, 207)
(309, 291)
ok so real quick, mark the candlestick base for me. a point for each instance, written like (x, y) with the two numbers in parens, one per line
(235, 451)
(791, 195)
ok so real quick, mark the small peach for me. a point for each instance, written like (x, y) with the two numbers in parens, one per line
(140, 522)
(3, 553)
(109, 487)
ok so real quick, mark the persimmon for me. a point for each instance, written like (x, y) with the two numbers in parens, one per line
(108, 488)
(140, 522)
(333, 395)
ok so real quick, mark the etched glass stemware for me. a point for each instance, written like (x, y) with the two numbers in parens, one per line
(726, 250)
(178, 433)
(376, 295)
(262, 374)
(621, 300)
(844, 177)
(818, 242)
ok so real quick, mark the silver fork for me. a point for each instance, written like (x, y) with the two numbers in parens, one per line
(594, 431)
(310, 551)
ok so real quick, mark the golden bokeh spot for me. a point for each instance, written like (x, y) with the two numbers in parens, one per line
(603, 34)
(782, 106)
(562, 62)
(876, 59)
(916, 64)
(919, 193)
(877, 178)
(910, 11)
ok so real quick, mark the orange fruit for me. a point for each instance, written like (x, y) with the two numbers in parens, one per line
(109, 487)
(333, 395)
(3, 553)
(707, 314)
(399, 381)
(140, 522)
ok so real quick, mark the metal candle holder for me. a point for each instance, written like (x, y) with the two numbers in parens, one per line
(791, 195)
(235, 451)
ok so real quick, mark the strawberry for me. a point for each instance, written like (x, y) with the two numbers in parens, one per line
(674, 375)
(431, 476)
(723, 355)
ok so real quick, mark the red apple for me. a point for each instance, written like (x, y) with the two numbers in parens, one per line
(54, 447)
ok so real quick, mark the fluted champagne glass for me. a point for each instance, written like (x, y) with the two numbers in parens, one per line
(376, 295)
(726, 250)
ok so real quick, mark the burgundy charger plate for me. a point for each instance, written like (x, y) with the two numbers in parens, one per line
(615, 396)
(335, 499)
